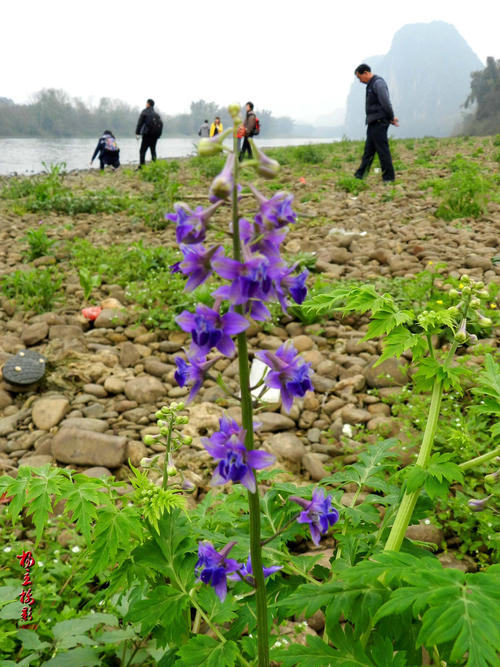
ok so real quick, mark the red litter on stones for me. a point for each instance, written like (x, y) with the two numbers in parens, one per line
(91, 313)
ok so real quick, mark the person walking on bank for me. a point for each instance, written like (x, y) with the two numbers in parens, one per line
(216, 127)
(108, 151)
(150, 127)
(204, 130)
(248, 128)
(379, 115)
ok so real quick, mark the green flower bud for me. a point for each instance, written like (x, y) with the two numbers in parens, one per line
(466, 289)
(484, 321)
(454, 293)
(180, 405)
(164, 431)
(493, 477)
(461, 335)
(454, 311)
(150, 440)
(171, 471)
(483, 294)
(475, 303)
(465, 279)
(187, 440)
(234, 109)
(479, 285)
(208, 148)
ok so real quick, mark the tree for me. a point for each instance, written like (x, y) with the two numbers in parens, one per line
(485, 94)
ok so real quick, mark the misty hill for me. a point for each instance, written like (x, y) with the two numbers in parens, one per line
(428, 71)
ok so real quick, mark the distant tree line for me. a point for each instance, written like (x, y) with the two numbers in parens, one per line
(485, 98)
(52, 113)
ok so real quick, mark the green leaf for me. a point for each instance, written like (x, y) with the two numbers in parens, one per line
(203, 650)
(317, 653)
(308, 598)
(165, 606)
(218, 612)
(397, 342)
(30, 640)
(82, 498)
(78, 657)
(70, 633)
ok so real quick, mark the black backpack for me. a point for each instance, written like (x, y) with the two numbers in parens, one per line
(154, 124)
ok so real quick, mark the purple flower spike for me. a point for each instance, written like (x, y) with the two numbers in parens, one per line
(236, 462)
(213, 567)
(247, 571)
(192, 371)
(222, 185)
(289, 373)
(209, 329)
(318, 513)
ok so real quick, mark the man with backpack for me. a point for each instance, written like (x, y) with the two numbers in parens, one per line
(250, 128)
(150, 127)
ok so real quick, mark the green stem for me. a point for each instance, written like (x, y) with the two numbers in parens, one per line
(247, 423)
(405, 511)
(478, 460)
(167, 453)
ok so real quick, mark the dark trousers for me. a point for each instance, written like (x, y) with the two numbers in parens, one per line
(246, 148)
(109, 157)
(147, 142)
(377, 142)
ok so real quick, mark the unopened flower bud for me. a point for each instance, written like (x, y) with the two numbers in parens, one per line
(149, 440)
(266, 167)
(453, 293)
(145, 462)
(473, 339)
(187, 440)
(222, 184)
(478, 505)
(484, 321)
(180, 405)
(234, 109)
(454, 311)
(209, 147)
(466, 289)
(171, 470)
(461, 335)
(479, 284)
(465, 279)
(492, 478)
(188, 486)
(483, 294)
(475, 303)
(173, 405)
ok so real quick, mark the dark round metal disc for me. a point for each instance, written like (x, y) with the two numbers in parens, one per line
(24, 368)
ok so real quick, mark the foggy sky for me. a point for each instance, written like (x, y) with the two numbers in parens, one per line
(293, 58)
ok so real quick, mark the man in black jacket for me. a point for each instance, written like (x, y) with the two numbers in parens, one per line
(379, 115)
(149, 126)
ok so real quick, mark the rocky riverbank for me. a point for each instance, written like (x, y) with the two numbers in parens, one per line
(104, 382)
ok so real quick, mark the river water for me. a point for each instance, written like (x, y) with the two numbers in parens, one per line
(27, 156)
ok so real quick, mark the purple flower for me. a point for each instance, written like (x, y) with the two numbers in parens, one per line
(275, 212)
(236, 462)
(247, 571)
(197, 264)
(289, 373)
(250, 282)
(191, 225)
(318, 513)
(192, 371)
(213, 567)
(209, 329)
(222, 185)
(294, 286)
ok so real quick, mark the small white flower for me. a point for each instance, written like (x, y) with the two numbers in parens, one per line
(7, 550)
(347, 430)
(40, 563)
(427, 521)
(75, 549)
